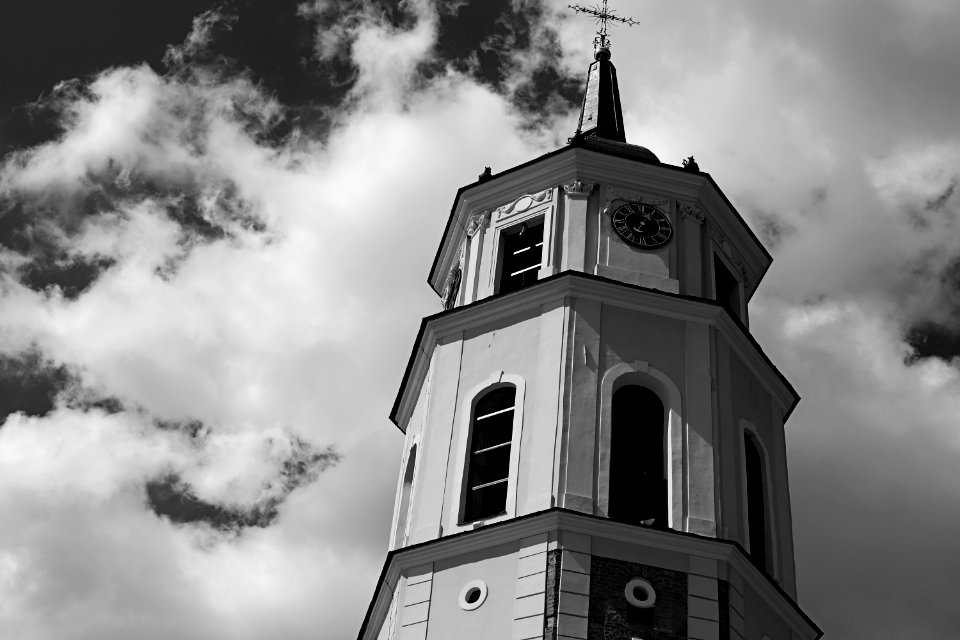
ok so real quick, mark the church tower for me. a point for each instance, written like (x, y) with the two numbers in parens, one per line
(594, 442)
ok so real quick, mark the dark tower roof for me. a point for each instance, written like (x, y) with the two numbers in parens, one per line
(601, 117)
(601, 114)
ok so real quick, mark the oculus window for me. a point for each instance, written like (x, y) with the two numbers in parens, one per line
(520, 255)
(488, 455)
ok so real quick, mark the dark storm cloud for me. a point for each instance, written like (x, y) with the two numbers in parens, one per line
(26, 229)
(40, 226)
(172, 497)
(936, 333)
(933, 340)
(489, 39)
(44, 43)
(29, 384)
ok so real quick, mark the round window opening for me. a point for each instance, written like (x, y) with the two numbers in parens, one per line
(640, 593)
(473, 594)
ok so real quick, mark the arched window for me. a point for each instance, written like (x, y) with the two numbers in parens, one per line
(488, 455)
(638, 480)
(405, 490)
(757, 517)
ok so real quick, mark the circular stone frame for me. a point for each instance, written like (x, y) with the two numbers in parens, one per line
(473, 594)
(630, 594)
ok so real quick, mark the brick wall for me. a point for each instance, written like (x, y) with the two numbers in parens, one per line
(611, 617)
(553, 593)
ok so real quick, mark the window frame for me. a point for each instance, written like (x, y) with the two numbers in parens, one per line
(772, 556)
(641, 373)
(522, 208)
(631, 381)
(399, 537)
(719, 254)
(508, 229)
(465, 422)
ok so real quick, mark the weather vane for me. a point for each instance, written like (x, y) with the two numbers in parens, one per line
(602, 15)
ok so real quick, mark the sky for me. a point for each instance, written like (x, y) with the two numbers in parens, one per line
(216, 222)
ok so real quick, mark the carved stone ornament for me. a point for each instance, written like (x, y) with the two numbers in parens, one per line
(523, 203)
(477, 222)
(629, 195)
(452, 285)
(692, 211)
(578, 188)
(721, 239)
(727, 247)
(744, 274)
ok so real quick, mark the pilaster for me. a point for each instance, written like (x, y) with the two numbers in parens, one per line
(574, 598)
(418, 588)
(529, 606)
(436, 442)
(703, 607)
(581, 403)
(700, 479)
(575, 201)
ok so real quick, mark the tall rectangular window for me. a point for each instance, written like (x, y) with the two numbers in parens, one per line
(757, 523)
(488, 465)
(520, 256)
(638, 478)
(727, 286)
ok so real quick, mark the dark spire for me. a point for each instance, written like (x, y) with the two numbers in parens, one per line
(601, 114)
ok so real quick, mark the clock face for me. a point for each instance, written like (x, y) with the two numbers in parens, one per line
(641, 225)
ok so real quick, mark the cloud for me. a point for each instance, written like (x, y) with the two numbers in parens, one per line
(212, 274)
(229, 310)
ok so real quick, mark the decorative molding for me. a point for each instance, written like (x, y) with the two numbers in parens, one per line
(578, 189)
(743, 273)
(619, 193)
(721, 240)
(523, 203)
(451, 286)
(477, 222)
(692, 211)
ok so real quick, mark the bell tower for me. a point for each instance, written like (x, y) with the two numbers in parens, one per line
(594, 442)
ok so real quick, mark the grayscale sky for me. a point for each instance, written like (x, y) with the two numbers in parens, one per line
(216, 222)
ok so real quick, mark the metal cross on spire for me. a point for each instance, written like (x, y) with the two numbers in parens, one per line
(602, 15)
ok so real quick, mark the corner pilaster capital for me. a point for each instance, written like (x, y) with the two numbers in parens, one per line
(578, 190)
(477, 222)
(692, 211)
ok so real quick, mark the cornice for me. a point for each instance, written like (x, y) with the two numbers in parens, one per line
(577, 284)
(558, 519)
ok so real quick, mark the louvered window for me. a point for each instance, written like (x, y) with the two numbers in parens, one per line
(488, 466)
(522, 253)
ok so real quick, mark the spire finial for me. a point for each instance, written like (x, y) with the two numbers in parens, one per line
(602, 15)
